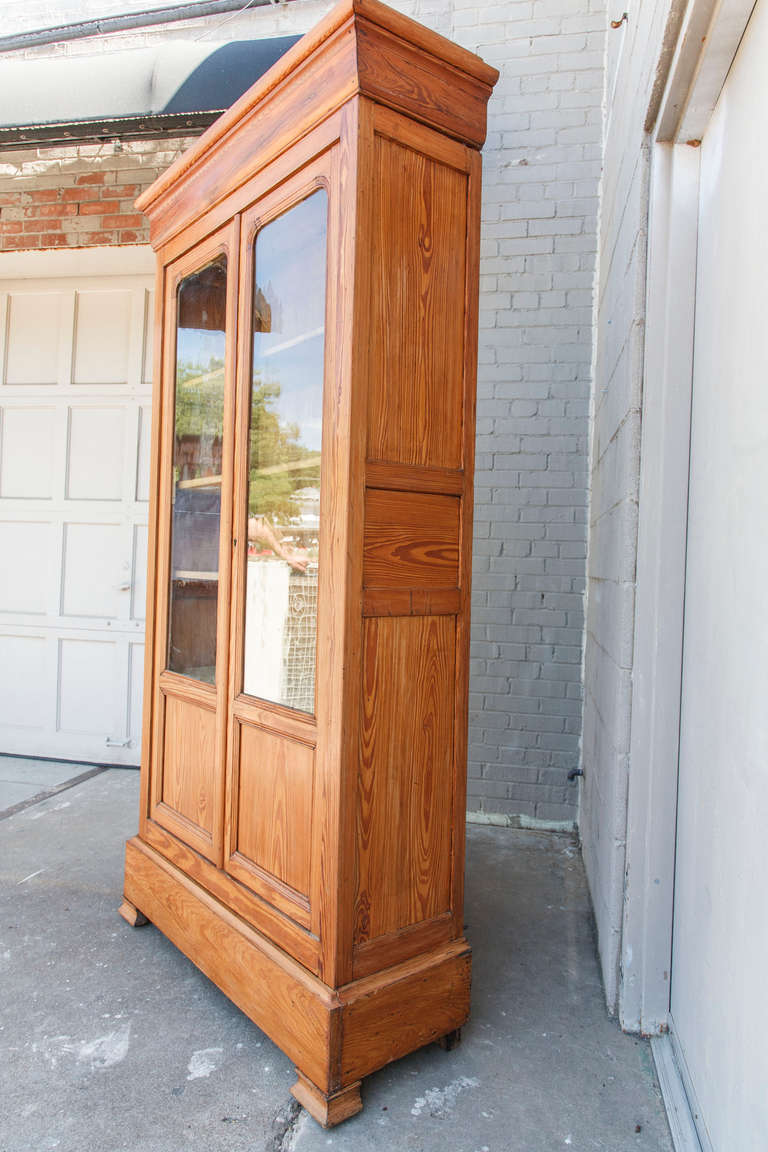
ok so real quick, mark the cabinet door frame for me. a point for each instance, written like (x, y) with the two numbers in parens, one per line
(299, 729)
(168, 684)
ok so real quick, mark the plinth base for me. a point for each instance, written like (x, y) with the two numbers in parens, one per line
(334, 1036)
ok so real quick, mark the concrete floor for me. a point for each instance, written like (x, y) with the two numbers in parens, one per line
(23, 779)
(110, 1039)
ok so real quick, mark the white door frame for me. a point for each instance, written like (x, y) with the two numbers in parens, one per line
(113, 260)
(707, 42)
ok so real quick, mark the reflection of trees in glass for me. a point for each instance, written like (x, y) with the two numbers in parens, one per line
(279, 464)
(199, 417)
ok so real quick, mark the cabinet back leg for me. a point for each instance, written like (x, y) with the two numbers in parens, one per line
(451, 1040)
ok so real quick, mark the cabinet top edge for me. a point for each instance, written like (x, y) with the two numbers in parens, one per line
(347, 13)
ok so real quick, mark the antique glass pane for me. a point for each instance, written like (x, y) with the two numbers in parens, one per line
(197, 447)
(284, 455)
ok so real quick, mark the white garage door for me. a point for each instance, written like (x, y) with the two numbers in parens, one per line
(75, 358)
(719, 1011)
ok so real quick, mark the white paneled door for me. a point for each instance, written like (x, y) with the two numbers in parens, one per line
(75, 359)
(719, 1017)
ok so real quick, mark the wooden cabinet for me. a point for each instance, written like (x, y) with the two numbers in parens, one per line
(303, 780)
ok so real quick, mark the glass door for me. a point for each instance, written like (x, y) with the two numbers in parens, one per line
(198, 440)
(284, 451)
(279, 502)
(194, 529)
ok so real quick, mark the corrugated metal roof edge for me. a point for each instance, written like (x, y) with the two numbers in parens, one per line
(122, 127)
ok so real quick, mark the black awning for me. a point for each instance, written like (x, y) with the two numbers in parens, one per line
(176, 88)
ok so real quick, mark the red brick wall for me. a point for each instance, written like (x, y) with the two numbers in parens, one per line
(78, 197)
(93, 212)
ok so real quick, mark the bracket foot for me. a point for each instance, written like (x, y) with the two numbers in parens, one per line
(131, 915)
(330, 1108)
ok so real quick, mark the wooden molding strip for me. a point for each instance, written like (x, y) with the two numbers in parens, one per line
(275, 718)
(411, 601)
(384, 951)
(414, 478)
(185, 688)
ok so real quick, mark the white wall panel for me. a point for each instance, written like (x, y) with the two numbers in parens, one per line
(26, 454)
(92, 577)
(144, 449)
(26, 549)
(102, 337)
(96, 453)
(139, 582)
(22, 701)
(34, 337)
(87, 686)
(135, 688)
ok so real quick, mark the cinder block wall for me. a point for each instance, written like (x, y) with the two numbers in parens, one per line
(635, 51)
(541, 175)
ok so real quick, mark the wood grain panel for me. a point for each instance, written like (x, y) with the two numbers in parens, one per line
(282, 930)
(293, 1007)
(411, 540)
(402, 1009)
(415, 413)
(405, 782)
(274, 806)
(189, 763)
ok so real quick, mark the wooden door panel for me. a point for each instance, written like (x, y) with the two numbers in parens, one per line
(192, 546)
(273, 813)
(188, 785)
(405, 783)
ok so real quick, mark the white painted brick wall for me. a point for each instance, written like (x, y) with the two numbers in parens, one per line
(632, 60)
(541, 174)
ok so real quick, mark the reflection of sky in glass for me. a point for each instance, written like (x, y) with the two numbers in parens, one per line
(298, 370)
(290, 276)
(196, 347)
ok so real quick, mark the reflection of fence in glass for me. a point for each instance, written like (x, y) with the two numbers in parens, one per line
(281, 606)
(280, 644)
(299, 641)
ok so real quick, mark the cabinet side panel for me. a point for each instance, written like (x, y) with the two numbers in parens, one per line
(411, 540)
(405, 782)
(418, 258)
